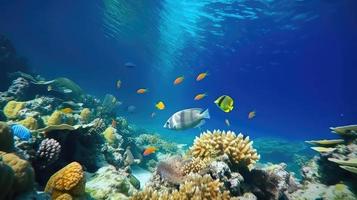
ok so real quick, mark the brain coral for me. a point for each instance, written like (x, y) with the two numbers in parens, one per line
(24, 174)
(216, 143)
(69, 179)
(6, 138)
(195, 187)
(30, 123)
(12, 108)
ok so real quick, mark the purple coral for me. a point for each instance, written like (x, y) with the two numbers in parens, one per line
(48, 152)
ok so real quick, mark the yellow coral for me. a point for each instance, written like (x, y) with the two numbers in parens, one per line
(64, 196)
(12, 108)
(69, 179)
(55, 118)
(238, 148)
(109, 135)
(195, 187)
(85, 115)
(195, 165)
(24, 173)
(30, 123)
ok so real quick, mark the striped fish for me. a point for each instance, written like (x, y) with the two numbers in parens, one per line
(21, 132)
(186, 119)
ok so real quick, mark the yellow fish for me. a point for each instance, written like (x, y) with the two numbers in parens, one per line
(227, 122)
(118, 84)
(201, 76)
(225, 103)
(142, 91)
(200, 96)
(160, 105)
(251, 115)
(67, 110)
(178, 80)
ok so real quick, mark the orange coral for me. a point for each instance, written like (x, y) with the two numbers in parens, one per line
(69, 179)
(24, 174)
(64, 196)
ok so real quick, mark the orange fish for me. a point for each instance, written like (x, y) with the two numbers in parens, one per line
(142, 91)
(114, 123)
(67, 110)
(201, 76)
(200, 96)
(149, 151)
(251, 115)
(179, 80)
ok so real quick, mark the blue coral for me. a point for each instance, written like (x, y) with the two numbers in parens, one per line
(21, 132)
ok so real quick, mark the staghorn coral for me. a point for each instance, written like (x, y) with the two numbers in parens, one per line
(24, 174)
(6, 138)
(195, 165)
(30, 123)
(55, 118)
(85, 115)
(216, 143)
(196, 187)
(48, 152)
(12, 108)
(69, 179)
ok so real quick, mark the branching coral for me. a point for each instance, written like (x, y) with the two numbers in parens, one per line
(12, 108)
(216, 143)
(195, 187)
(195, 165)
(69, 179)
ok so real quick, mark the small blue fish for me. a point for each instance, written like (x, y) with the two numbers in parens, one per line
(21, 132)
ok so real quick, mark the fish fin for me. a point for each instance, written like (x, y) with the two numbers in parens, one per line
(200, 124)
(205, 114)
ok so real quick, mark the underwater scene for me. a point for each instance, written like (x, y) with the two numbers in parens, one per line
(178, 100)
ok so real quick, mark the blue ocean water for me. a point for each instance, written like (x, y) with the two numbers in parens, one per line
(293, 62)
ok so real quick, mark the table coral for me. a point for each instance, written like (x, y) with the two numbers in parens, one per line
(24, 174)
(12, 108)
(69, 179)
(216, 143)
(6, 138)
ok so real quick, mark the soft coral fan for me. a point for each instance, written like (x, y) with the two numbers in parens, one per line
(216, 143)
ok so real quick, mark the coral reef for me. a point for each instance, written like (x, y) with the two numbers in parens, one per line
(56, 118)
(48, 152)
(6, 138)
(30, 123)
(12, 108)
(69, 180)
(216, 143)
(85, 115)
(109, 183)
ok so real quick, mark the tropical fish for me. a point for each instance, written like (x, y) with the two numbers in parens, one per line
(118, 84)
(153, 114)
(186, 119)
(142, 91)
(251, 114)
(114, 123)
(129, 65)
(227, 122)
(67, 110)
(201, 76)
(179, 80)
(149, 150)
(160, 105)
(225, 103)
(21, 132)
(200, 96)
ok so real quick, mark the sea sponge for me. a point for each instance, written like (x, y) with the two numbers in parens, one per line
(55, 118)
(85, 115)
(7, 178)
(6, 138)
(195, 187)
(30, 123)
(216, 143)
(69, 179)
(12, 108)
(109, 135)
(24, 173)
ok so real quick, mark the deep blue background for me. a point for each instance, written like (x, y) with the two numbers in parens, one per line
(300, 82)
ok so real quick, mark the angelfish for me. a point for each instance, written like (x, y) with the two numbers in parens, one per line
(186, 119)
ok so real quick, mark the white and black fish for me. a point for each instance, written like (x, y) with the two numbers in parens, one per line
(186, 119)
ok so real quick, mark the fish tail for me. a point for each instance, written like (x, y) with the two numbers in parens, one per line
(205, 114)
